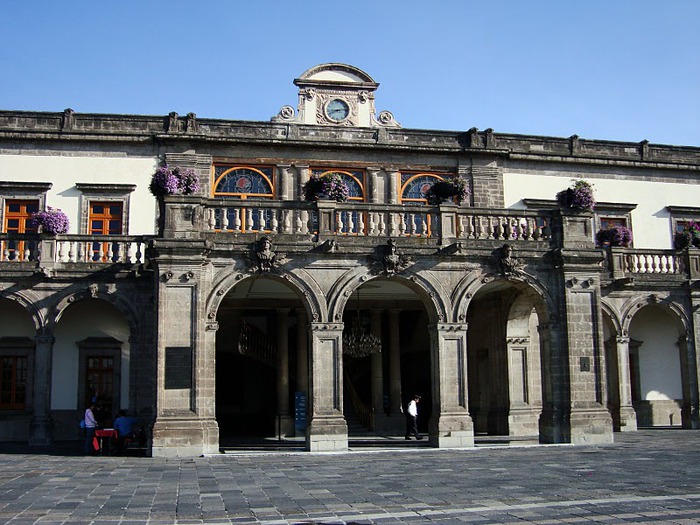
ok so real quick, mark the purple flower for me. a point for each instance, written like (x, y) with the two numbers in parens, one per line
(452, 187)
(615, 236)
(52, 220)
(166, 181)
(579, 195)
(330, 185)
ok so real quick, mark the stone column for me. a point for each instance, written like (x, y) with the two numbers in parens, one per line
(302, 351)
(377, 374)
(450, 426)
(628, 417)
(553, 425)
(393, 177)
(283, 179)
(40, 431)
(689, 380)
(327, 429)
(589, 419)
(185, 423)
(372, 183)
(395, 408)
(285, 423)
(302, 357)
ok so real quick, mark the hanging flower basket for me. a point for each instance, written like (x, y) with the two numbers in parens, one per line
(172, 181)
(614, 236)
(578, 197)
(330, 186)
(690, 236)
(52, 221)
(454, 188)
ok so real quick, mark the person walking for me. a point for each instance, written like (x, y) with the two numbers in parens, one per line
(412, 418)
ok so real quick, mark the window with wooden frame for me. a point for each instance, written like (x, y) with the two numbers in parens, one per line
(244, 183)
(681, 217)
(105, 218)
(611, 214)
(16, 361)
(100, 374)
(17, 220)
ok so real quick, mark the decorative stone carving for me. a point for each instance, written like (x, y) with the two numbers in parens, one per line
(386, 118)
(191, 123)
(263, 259)
(504, 262)
(390, 261)
(329, 246)
(286, 113)
(173, 125)
(68, 119)
(92, 288)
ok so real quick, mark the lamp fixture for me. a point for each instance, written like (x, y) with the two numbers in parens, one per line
(358, 342)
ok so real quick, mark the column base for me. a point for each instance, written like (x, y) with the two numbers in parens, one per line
(40, 432)
(284, 426)
(184, 437)
(591, 427)
(452, 431)
(523, 422)
(628, 419)
(327, 434)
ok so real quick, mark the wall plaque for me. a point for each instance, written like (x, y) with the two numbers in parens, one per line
(178, 367)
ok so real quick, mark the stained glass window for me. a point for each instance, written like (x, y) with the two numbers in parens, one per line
(243, 181)
(414, 185)
(354, 180)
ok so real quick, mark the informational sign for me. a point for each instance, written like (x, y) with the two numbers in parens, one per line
(300, 411)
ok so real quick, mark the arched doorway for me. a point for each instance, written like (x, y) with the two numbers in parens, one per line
(504, 359)
(261, 361)
(378, 385)
(91, 358)
(657, 349)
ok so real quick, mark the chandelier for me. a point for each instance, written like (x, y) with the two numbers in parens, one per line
(359, 343)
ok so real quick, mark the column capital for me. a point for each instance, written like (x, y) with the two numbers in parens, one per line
(622, 340)
(45, 339)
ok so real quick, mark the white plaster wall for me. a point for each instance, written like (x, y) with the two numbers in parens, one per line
(64, 172)
(90, 318)
(651, 222)
(659, 359)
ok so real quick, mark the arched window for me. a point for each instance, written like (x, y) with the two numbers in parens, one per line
(414, 185)
(412, 190)
(245, 183)
(354, 180)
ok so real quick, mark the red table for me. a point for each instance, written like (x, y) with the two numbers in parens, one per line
(111, 436)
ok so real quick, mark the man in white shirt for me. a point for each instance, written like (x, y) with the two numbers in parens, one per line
(412, 418)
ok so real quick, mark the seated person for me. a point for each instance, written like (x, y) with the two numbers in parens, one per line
(126, 427)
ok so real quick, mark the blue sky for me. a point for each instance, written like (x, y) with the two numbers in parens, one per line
(603, 69)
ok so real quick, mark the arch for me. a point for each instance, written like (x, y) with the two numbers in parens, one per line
(408, 186)
(472, 282)
(120, 303)
(306, 288)
(28, 300)
(344, 287)
(678, 312)
(333, 73)
(612, 315)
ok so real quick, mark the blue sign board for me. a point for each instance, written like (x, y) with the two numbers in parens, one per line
(300, 411)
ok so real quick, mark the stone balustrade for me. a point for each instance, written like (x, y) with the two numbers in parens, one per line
(628, 262)
(93, 249)
(375, 220)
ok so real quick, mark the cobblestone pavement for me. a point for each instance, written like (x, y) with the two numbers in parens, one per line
(651, 476)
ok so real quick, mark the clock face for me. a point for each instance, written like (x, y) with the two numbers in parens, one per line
(337, 110)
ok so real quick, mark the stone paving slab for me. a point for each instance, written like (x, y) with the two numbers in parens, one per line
(651, 476)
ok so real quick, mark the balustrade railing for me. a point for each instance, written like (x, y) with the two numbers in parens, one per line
(626, 262)
(375, 220)
(107, 249)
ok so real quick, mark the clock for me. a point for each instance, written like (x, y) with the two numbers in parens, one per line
(337, 110)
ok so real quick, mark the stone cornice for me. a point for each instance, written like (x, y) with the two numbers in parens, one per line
(140, 128)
